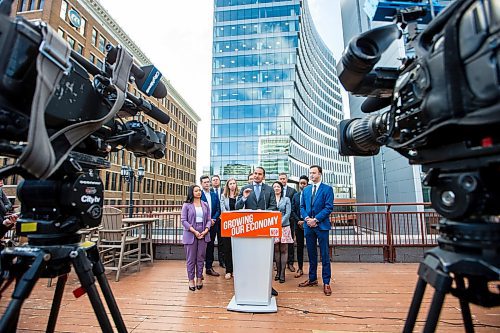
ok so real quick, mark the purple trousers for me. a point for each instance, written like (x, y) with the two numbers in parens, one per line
(195, 254)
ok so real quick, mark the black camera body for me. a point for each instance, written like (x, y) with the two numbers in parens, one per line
(78, 98)
(444, 104)
(438, 98)
(69, 196)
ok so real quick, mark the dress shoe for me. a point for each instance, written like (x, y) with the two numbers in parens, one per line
(299, 273)
(199, 286)
(211, 272)
(282, 280)
(308, 283)
(327, 290)
(274, 292)
(277, 277)
(291, 268)
(192, 288)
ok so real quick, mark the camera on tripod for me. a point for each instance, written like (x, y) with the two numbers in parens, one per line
(444, 113)
(60, 117)
(444, 110)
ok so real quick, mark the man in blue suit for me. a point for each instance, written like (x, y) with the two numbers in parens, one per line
(316, 206)
(214, 204)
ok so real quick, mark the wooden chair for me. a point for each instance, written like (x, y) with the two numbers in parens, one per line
(119, 245)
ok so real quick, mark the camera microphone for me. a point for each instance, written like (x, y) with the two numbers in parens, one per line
(149, 109)
(147, 78)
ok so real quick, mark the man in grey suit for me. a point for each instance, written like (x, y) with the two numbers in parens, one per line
(257, 195)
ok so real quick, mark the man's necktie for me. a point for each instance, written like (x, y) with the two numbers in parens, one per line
(313, 195)
(257, 191)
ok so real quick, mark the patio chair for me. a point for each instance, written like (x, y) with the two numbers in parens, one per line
(119, 246)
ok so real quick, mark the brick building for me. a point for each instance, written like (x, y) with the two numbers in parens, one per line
(88, 27)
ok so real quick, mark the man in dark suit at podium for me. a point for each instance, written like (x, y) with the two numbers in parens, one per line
(257, 196)
(315, 207)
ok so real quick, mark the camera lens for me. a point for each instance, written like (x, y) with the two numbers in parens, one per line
(359, 136)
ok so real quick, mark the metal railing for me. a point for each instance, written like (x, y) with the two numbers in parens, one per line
(388, 225)
(398, 225)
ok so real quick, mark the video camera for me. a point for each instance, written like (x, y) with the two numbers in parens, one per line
(444, 110)
(60, 117)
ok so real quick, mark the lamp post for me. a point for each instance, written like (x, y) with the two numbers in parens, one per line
(129, 175)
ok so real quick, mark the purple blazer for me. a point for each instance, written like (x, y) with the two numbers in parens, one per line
(188, 218)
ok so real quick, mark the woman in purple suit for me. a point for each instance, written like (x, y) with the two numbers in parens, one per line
(195, 218)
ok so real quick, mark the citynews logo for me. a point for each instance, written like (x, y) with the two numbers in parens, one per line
(90, 199)
(156, 77)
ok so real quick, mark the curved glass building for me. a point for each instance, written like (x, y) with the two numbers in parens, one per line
(275, 94)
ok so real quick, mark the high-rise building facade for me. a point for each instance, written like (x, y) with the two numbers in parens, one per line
(275, 94)
(166, 180)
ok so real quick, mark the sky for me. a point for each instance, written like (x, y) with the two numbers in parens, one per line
(176, 35)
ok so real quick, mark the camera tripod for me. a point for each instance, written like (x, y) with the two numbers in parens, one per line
(467, 252)
(27, 264)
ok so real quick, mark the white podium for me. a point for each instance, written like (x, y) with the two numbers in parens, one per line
(252, 242)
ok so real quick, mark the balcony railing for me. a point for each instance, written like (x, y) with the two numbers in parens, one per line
(388, 225)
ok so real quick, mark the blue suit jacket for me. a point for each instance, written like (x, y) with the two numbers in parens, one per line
(321, 207)
(215, 214)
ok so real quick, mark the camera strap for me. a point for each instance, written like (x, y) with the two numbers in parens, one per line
(52, 63)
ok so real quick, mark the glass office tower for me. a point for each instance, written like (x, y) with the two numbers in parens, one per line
(275, 94)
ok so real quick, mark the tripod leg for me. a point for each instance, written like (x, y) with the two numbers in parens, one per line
(56, 302)
(24, 286)
(464, 305)
(415, 306)
(83, 270)
(434, 311)
(99, 272)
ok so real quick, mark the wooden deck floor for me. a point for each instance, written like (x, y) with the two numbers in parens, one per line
(366, 298)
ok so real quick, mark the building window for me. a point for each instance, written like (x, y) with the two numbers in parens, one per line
(71, 42)
(64, 10)
(40, 4)
(102, 43)
(31, 5)
(113, 181)
(100, 64)
(94, 36)
(79, 48)
(21, 6)
(60, 32)
(92, 58)
(83, 24)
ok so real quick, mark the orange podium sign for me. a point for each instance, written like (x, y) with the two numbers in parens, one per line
(251, 223)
